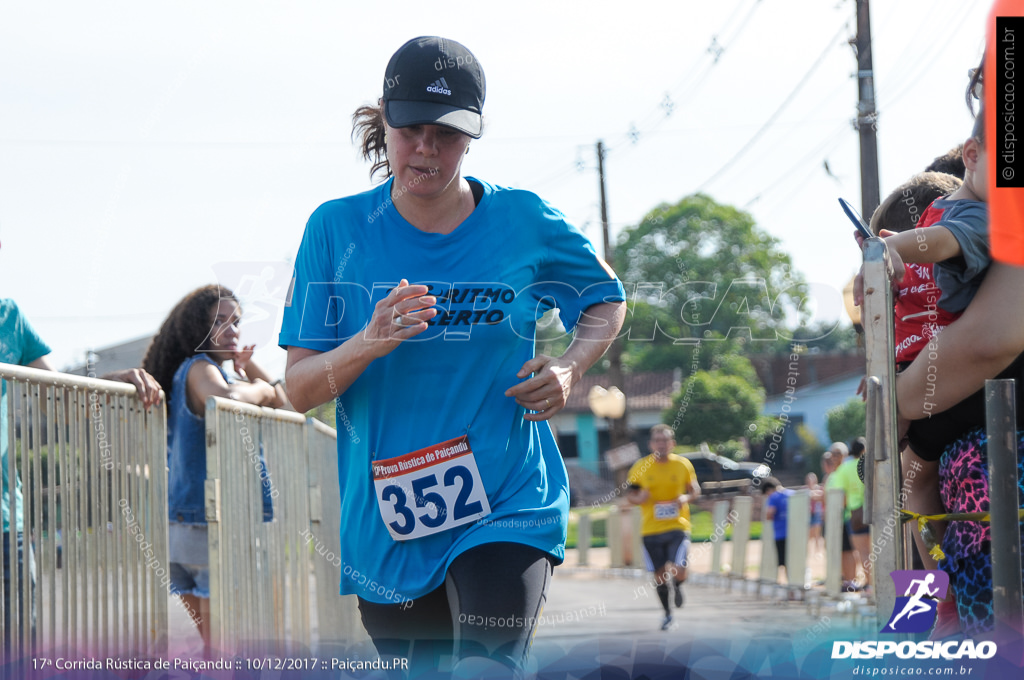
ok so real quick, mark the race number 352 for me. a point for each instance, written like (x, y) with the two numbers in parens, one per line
(430, 490)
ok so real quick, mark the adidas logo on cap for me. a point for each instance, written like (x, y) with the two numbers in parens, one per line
(439, 87)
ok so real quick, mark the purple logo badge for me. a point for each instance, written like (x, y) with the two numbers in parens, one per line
(917, 595)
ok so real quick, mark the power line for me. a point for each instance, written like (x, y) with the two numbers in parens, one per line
(698, 71)
(924, 61)
(912, 54)
(558, 175)
(782, 107)
(816, 152)
(767, 149)
(667, 107)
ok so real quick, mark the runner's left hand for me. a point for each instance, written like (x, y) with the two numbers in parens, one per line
(547, 391)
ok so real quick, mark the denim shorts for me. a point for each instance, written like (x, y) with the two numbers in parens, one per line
(190, 579)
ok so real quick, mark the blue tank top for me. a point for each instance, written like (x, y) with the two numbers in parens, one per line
(186, 452)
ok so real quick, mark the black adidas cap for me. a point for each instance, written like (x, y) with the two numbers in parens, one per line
(433, 80)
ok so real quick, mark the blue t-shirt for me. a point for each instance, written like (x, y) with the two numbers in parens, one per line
(780, 501)
(511, 260)
(19, 345)
(960, 277)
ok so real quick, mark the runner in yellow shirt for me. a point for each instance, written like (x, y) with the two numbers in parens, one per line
(663, 484)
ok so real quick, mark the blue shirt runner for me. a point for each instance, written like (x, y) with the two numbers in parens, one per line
(510, 261)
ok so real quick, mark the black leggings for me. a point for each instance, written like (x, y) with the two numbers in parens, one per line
(489, 607)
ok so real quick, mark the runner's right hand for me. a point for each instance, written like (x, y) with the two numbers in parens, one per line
(401, 315)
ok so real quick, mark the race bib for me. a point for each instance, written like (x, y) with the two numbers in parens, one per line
(431, 490)
(668, 510)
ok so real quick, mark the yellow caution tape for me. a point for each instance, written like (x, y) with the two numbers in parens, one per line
(926, 532)
(953, 516)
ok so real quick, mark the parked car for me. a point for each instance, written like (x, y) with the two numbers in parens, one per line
(718, 474)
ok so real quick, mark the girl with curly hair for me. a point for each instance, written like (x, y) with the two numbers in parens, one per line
(185, 357)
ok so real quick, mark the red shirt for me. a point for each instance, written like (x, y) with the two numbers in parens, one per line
(918, 315)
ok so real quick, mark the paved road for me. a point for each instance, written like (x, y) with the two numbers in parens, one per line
(587, 603)
(582, 605)
(594, 620)
(596, 616)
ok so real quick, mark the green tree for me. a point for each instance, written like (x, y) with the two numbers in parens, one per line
(720, 405)
(848, 421)
(700, 270)
(325, 413)
(824, 336)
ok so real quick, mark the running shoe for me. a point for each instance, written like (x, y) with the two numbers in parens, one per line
(679, 595)
(667, 623)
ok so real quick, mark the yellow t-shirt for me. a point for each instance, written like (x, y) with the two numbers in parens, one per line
(666, 481)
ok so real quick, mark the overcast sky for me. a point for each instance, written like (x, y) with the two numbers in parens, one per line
(147, 149)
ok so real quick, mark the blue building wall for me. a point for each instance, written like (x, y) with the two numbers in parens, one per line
(814, 402)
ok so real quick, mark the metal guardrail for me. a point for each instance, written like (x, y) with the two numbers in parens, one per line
(91, 461)
(615, 519)
(92, 467)
(882, 475)
(261, 594)
(258, 569)
(338, 621)
(1001, 428)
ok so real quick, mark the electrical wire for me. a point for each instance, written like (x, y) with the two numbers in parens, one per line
(657, 116)
(698, 71)
(778, 111)
(819, 149)
(913, 78)
(767, 149)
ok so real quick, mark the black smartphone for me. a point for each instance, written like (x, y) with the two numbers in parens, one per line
(855, 217)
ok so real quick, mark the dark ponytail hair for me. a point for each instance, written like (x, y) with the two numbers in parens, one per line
(368, 126)
(975, 86)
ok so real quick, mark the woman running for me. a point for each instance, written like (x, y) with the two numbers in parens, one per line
(454, 495)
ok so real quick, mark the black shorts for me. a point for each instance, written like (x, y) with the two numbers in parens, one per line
(929, 437)
(671, 546)
(847, 545)
(489, 606)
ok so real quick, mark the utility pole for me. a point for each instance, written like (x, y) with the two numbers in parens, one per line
(866, 114)
(609, 257)
(618, 432)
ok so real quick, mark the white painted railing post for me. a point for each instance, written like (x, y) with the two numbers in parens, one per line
(798, 524)
(583, 534)
(719, 512)
(833, 528)
(742, 506)
(614, 532)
